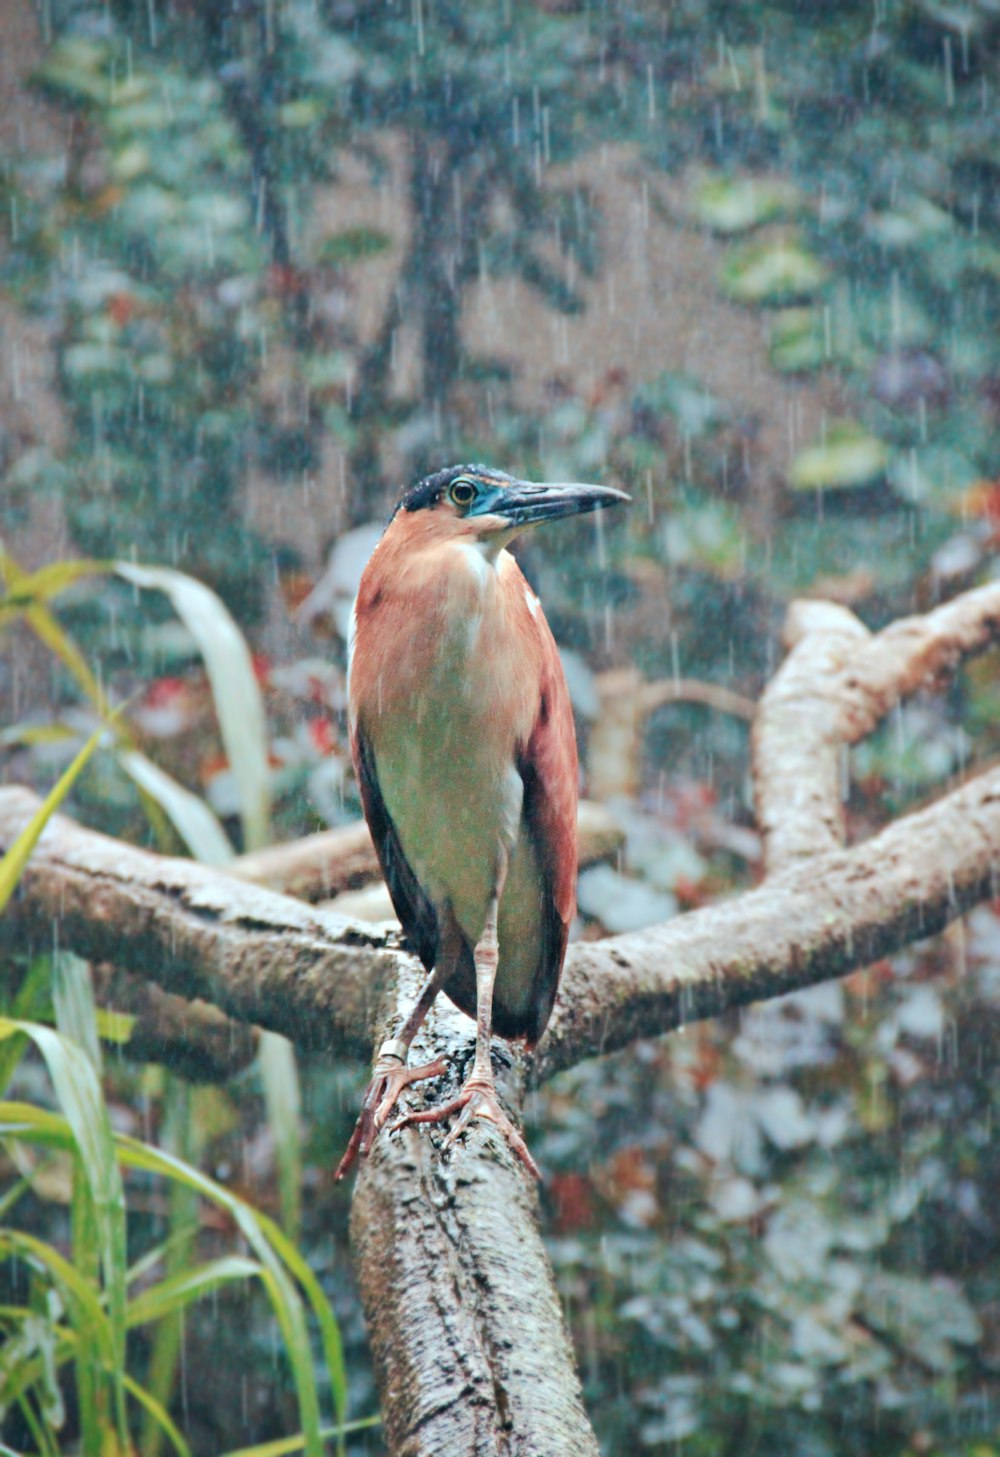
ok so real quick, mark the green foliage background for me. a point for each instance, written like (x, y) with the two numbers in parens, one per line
(779, 1235)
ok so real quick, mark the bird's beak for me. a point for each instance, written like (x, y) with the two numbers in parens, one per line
(523, 503)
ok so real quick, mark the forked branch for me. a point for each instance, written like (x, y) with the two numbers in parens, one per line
(465, 1324)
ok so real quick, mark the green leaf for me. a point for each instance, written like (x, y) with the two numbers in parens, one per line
(284, 1446)
(47, 628)
(798, 340)
(47, 582)
(159, 1415)
(13, 863)
(735, 204)
(238, 701)
(351, 244)
(850, 456)
(277, 1255)
(73, 998)
(772, 272)
(79, 1095)
(178, 1291)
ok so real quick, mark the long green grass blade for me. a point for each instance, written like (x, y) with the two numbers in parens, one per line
(13, 863)
(283, 1446)
(32, 1003)
(92, 1389)
(280, 1076)
(75, 1008)
(78, 1092)
(178, 1131)
(238, 702)
(284, 1298)
(282, 1266)
(47, 582)
(75, 1288)
(178, 1291)
(333, 1346)
(45, 1443)
(158, 1414)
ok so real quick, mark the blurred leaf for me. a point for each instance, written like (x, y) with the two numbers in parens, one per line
(772, 272)
(190, 816)
(928, 1317)
(735, 204)
(73, 1000)
(77, 68)
(934, 475)
(279, 1074)
(114, 1026)
(238, 701)
(353, 243)
(797, 340)
(849, 456)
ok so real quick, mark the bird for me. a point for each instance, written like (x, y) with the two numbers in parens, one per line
(464, 748)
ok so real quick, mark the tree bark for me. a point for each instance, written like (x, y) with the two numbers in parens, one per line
(466, 1331)
(319, 978)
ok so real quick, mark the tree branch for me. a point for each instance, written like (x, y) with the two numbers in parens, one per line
(318, 978)
(465, 1323)
(320, 866)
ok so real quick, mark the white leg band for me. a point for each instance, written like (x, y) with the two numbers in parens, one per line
(395, 1047)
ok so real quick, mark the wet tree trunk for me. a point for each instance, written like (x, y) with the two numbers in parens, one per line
(471, 1353)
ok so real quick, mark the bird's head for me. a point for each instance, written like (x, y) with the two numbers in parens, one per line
(477, 502)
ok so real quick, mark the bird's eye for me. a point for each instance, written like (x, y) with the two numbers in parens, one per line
(462, 492)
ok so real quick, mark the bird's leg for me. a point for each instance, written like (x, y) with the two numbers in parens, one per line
(391, 1075)
(478, 1095)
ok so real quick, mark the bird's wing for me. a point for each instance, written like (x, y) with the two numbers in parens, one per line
(548, 767)
(415, 911)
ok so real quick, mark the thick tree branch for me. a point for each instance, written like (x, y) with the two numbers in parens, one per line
(465, 1324)
(318, 978)
(318, 867)
(194, 1039)
(836, 685)
(797, 737)
(842, 910)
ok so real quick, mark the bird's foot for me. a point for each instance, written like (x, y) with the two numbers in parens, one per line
(477, 1099)
(389, 1079)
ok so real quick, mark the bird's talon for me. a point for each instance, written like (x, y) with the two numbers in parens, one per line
(389, 1079)
(476, 1100)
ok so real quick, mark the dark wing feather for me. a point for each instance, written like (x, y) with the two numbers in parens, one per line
(548, 767)
(415, 911)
